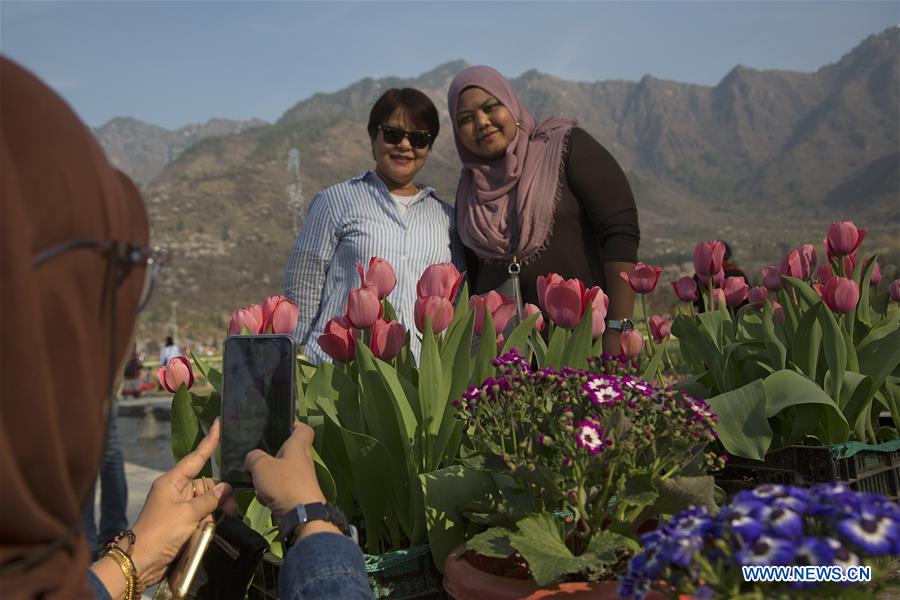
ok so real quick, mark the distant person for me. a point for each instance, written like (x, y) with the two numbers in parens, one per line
(545, 194)
(168, 352)
(381, 212)
(73, 253)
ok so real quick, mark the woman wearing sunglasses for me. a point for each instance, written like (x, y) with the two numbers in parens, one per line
(539, 197)
(76, 270)
(381, 212)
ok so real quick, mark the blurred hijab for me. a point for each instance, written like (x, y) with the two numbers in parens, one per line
(505, 207)
(56, 186)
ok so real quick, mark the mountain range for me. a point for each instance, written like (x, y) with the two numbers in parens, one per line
(765, 159)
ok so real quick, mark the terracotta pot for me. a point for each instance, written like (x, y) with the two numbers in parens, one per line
(463, 581)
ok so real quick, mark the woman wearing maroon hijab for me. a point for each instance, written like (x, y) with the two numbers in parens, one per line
(545, 194)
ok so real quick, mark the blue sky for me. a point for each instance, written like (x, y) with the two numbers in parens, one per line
(173, 63)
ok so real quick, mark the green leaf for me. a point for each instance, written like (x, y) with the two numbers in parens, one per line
(681, 492)
(808, 342)
(787, 388)
(743, 426)
(259, 518)
(334, 393)
(493, 543)
(207, 408)
(461, 311)
(539, 540)
(185, 426)
(487, 351)
(856, 397)
(445, 491)
(713, 323)
(200, 364)
(639, 490)
(433, 387)
(456, 354)
(698, 348)
(774, 346)
(880, 356)
(519, 337)
(558, 341)
(323, 475)
(539, 347)
(579, 347)
(862, 307)
(606, 546)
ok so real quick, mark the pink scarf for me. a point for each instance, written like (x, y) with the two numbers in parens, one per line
(505, 207)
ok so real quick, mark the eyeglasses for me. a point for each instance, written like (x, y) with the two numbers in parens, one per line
(125, 256)
(394, 135)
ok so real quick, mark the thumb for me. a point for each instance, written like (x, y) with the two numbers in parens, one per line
(204, 504)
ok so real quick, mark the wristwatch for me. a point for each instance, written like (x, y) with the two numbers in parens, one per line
(293, 520)
(619, 324)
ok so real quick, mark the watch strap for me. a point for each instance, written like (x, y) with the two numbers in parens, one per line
(291, 523)
(619, 324)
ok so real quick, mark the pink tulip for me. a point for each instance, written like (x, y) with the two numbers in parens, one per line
(441, 280)
(564, 302)
(894, 290)
(757, 296)
(250, 317)
(800, 262)
(387, 339)
(660, 327)
(438, 310)
(778, 310)
(643, 279)
(599, 303)
(686, 289)
(363, 306)
(501, 308)
(825, 274)
(381, 274)
(530, 309)
(543, 283)
(841, 295)
(338, 340)
(843, 239)
(771, 278)
(708, 258)
(718, 296)
(279, 315)
(736, 290)
(631, 343)
(176, 372)
(876, 272)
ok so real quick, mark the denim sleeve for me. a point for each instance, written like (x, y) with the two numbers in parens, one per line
(304, 276)
(99, 589)
(324, 565)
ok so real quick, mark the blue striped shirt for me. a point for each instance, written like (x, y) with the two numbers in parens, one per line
(353, 221)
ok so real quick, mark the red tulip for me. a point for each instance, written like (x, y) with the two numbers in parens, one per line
(564, 302)
(363, 306)
(799, 263)
(387, 339)
(438, 310)
(542, 284)
(708, 258)
(279, 314)
(380, 274)
(599, 303)
(631, 343)
(757, 296)
(686, 289)
(530, 309)
(176, 372)
(441, 280)
(825, 274)
(660, 327)
(843, 239)
(501, 308)
(894, 290)
(778, 310)
(771, 278)
(250, 317)
(643, 279)
(841, 295)
(736, 290)
(876, 272)
(338, 340)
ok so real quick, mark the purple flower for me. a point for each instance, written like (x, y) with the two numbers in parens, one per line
(589, 437)
(602, 390)
(843, 557)
(876, 535)
(812, 552)
(766, 550)
(784, 522)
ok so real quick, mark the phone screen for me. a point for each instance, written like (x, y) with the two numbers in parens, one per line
(257, 400)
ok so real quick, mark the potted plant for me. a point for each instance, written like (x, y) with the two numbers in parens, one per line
(579, 459)
(815, 541)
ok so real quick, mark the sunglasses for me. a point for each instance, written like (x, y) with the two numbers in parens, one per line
(394, 135)
(124, 257)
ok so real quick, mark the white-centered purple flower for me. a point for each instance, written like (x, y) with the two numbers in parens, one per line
(766, 550)
(813, 552)
(589, 437)
(874, 534)
(843, 557)
(784, 522)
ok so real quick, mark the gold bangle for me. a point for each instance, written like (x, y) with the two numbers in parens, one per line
(127, 568)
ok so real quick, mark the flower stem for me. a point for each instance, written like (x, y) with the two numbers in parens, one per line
(647, 326)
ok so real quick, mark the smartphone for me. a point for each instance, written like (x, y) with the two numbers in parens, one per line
(258, 400)
(178, 583)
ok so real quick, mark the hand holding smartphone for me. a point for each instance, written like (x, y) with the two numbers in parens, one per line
(258, 400)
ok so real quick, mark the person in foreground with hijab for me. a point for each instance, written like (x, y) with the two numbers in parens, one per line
(545, 195)
(74, 262)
